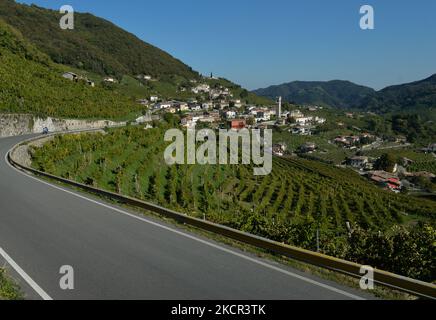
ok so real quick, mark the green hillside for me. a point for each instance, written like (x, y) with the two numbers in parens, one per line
(288, 205)
(97, 48)
(339, 94)
(94, 45)
(417, 97)
(31, 83)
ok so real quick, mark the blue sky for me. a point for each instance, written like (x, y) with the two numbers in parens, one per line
(258, 43)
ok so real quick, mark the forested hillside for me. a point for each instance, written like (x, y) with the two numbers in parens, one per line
(417, 97)
(289, 205)
(339, 94)
(95, 44)
(31, 83)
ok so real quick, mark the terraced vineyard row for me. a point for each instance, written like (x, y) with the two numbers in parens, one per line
(429, 166)
(289, 205)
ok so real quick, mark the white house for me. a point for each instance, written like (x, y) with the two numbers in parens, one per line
(70, 76)
(359, 162)
(304, 121)
(182, 106)
(296, 114)
(262, 116)
(320, 120)
(109, 80)
(230, 114)
(201, 88)
(163, 105)
(237, 103)
(303, 131)
(195, 107)
(154, 98)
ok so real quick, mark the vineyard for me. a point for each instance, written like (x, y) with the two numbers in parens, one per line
(289, 205)
(429, 166)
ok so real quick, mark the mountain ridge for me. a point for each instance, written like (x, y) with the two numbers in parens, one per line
(413, 96)
(326, 93)
(96, 45)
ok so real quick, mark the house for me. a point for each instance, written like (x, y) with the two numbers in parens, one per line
(109, 80)
(279, 149)
(154, 99)
(358, 162)
(214, 114)
(238, 124)
(70, 76)
(281, 122)
(400, 139)
(195, 107)
(163, 105)
(385, 179)
(189, 122)
(90, 83)
(261, 115)
(143, 102)
(208, 119)
(181, 106)
(319, 120)
(205, 88)
(144, 119)
(314, 108)
(230, 114)
(144, 77)
(304, 121)
(237, 103)
(308, 147)
(302, 131)
(347, 141)
(296, 114)
(432, 147)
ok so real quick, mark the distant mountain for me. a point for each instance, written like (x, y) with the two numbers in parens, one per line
(419, 96)
(337, 93)
(95, 44)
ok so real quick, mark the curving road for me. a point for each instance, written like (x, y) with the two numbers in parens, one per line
(118, 255)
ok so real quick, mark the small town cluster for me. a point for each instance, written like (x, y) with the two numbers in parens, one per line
(216, 107)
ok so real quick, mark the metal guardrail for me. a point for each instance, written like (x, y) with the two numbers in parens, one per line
(412, 286)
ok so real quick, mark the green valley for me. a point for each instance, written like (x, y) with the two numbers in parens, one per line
(289, 205)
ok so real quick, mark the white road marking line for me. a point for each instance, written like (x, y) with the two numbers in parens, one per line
(266, 265)
(25, 276)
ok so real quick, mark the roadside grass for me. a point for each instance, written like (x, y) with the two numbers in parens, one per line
(9, 289)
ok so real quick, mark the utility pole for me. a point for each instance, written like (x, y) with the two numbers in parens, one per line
(317, 241)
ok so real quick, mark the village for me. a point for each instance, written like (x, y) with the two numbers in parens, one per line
(215, 107)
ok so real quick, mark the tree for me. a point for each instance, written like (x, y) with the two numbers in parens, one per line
(386, 162)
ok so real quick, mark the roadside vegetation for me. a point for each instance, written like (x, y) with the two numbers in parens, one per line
(9, 290)
(389, 231)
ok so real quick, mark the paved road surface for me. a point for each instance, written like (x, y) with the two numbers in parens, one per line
(117, 255)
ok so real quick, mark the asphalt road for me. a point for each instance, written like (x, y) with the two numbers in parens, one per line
(118, 255)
